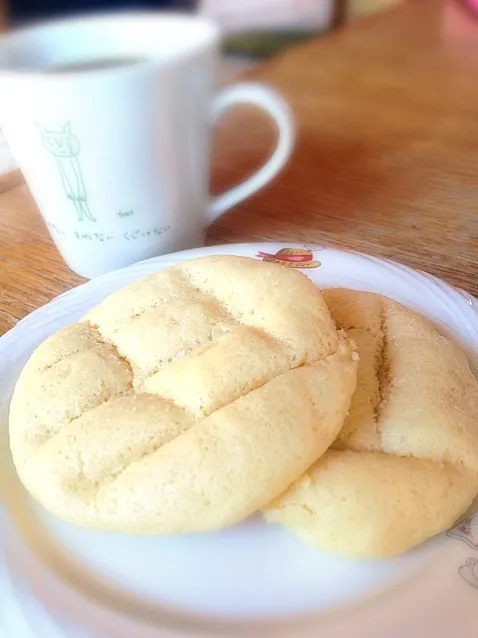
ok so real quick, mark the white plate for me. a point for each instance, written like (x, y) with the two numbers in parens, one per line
(253, 577)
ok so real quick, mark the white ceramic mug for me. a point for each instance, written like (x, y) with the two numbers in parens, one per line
(117, 158)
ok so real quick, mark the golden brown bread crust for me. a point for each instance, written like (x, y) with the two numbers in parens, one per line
(185, 401)
(405, 465)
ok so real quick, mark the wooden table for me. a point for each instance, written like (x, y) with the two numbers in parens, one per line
(386, 160)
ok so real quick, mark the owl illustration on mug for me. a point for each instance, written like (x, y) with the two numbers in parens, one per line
(65, 147)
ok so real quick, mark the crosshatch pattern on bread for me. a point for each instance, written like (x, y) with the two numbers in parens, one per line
(405, 465)
(184, 402)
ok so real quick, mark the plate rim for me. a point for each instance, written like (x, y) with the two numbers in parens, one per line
(223, 249)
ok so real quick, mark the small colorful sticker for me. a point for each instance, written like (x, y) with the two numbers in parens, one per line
(467, 531)
(291, 257)
(469, 572)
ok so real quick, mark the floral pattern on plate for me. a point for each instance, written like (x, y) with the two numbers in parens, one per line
(469, 572)
(467, 531)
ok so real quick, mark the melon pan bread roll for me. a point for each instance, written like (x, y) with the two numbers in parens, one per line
(184, 402)
(405, 465)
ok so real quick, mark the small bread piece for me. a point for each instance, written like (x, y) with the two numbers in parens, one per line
(184, 402)
(405, 465)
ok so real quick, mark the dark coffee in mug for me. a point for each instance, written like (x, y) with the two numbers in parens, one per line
(93, 65)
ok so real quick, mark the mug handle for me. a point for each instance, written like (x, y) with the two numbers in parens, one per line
(272, 103)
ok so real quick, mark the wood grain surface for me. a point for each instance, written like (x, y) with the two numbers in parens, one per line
(386, 159)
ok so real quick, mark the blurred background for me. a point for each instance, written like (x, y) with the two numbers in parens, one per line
(234, 15)
(254, 30)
